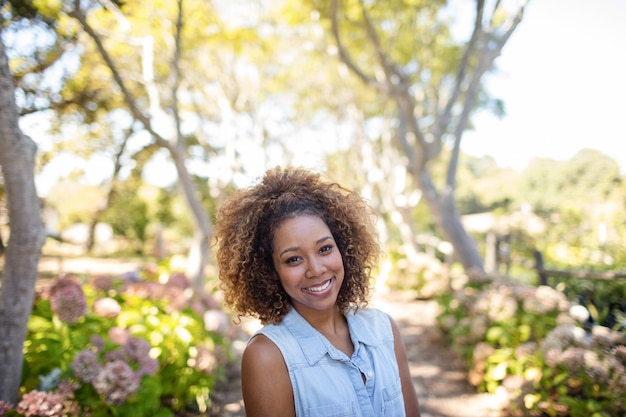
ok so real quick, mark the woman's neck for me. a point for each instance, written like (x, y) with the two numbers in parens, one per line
(332, 324)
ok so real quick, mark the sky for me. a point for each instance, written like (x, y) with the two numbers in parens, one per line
(562, 77)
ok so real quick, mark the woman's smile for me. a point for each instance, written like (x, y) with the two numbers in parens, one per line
(321, 287)
(308, 262)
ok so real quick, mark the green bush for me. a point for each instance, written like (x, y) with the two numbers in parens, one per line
(126, 347)
(530, 344)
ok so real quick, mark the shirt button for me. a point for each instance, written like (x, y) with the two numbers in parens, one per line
(370, 374)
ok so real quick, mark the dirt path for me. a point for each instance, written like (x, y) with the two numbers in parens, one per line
(438, 375)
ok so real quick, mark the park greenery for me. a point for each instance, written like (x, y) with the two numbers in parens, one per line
(208, 96)
(137, 345)
(535, 347)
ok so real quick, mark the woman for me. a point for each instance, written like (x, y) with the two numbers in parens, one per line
(296, 252)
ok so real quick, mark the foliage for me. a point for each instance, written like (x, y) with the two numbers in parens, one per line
(604, 299)
(128, 346)
(532, 344)
(129, 215)
(74, 203)
(588, 175)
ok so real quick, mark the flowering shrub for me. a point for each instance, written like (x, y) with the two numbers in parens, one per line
(529, 344)
(121, 347)
(583, 374)
(58, 403)
(67, 300)
(4, 407)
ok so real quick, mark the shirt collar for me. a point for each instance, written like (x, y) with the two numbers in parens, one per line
(315, 346)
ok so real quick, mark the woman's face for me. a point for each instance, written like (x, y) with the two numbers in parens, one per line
(308, 263)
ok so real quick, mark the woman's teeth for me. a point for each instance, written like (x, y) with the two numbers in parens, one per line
(319, 288)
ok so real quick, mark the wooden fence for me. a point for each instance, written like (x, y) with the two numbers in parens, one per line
(544, 273)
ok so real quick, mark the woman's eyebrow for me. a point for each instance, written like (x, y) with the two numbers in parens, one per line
(323, 239)
(295, 248)
(291, 249)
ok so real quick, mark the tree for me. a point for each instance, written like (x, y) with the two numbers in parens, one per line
(405, 52)
(174, 142)
(17, 286)
(149, 70)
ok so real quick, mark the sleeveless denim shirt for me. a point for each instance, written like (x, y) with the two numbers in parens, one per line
(326, 383)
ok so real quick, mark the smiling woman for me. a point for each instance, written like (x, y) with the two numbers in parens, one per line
(308, 263)
(297, 251)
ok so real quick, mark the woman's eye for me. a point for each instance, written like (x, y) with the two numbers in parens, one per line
(292, 259)
(326, 248)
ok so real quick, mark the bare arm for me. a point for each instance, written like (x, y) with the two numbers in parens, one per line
(265, 382)
(411, 405)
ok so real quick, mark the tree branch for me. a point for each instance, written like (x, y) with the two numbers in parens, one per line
(343, 53)
(389, 68)
(111, 192)
(444, 119)
(486, 60)
(180, 141)
(400, 92)
(130, 101)
(505, 37)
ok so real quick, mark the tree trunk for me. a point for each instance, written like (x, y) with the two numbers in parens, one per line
(199, 254)
(17, 285)
(445, 213)
(421, 146)
(200, 251)
(108, 199)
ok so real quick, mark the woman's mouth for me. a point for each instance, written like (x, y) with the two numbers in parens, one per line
(321, 287)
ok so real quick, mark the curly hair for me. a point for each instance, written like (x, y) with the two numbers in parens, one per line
(244, 236)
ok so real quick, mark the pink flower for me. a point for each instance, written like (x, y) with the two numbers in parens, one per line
(512, 382)
(216, 321)
(86, 366)
(148, 366)
(4, 407)
(145, 289)
(620, 353)
(66, 388)
(118, 335)
(97, 341)
(573, 359)
(137, 348)
(102, 283)
(106, 307)
(67, 300)
(176, 298)
(179, 280)
(115, 355)
(116, 382)
(39, 404)
(201, 302)
(205, 360)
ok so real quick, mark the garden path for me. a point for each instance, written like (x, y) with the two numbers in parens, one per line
(439, 376)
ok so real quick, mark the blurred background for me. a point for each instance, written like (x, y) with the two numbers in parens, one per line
(244, 86)
(485, 135)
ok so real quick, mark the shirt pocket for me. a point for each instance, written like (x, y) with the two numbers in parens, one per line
(393, 401)
(345, 409)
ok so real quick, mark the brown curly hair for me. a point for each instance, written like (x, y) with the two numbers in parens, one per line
(244, 236)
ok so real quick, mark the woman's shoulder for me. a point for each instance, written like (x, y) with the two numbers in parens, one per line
(263, 351)
(371, 324)
(262, 362)
(370, 313)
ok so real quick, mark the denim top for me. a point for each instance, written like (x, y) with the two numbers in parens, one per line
(326, 383)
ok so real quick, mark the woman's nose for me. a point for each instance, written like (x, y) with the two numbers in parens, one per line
(316, 268)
